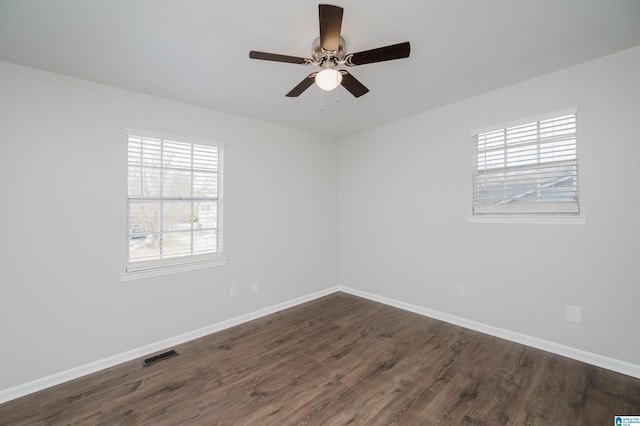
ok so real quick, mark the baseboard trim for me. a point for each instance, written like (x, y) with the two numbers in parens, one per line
(618, 366)
(92, 367)
(612, 364)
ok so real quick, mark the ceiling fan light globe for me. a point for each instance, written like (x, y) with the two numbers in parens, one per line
(328, 79)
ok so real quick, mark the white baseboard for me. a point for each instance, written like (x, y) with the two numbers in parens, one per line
(92, 367)
(612, 364)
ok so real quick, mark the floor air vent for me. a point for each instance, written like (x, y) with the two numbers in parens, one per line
(159, 357)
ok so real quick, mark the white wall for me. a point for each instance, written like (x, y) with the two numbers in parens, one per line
(405, 191)
(400, 212)
(62, 223)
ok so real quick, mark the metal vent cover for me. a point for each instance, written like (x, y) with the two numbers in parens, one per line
(159, 357)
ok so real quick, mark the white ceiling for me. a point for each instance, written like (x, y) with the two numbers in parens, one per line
(196, 51)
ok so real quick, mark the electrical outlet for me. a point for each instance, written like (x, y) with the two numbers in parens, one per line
(255, 287)
(460, 290)
(574, 313)
(232, 291)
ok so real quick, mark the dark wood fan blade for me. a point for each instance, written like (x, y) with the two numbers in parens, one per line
(387, 53)
(330, 25)
(302, 86)
(352, 84)
(265, 56)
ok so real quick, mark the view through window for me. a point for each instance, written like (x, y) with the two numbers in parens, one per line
(530, 168)
(174, 199)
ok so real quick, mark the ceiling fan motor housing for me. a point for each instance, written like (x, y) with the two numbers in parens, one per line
(319, 55)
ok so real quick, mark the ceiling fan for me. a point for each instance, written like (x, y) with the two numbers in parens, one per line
(329, 51)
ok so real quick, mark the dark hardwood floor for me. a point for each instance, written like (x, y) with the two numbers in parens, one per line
(340, 360)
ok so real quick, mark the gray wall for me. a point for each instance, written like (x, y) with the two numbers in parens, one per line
(405, 196)
(384, 211)
(63, 222)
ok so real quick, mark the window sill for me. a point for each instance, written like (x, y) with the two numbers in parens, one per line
(537, 220)
(156, 272)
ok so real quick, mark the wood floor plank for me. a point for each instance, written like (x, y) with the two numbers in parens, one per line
(339, 360)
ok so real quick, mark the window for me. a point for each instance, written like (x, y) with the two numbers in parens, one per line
(174, 202)
(529, 168)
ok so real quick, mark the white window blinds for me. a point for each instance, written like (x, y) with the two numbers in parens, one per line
(527, 168)
(174, 200)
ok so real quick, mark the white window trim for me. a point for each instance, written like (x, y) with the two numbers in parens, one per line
(194, 266)
(533, 220)
(204, 261)
(522, 121)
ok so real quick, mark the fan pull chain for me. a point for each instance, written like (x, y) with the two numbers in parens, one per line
(322, 97)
